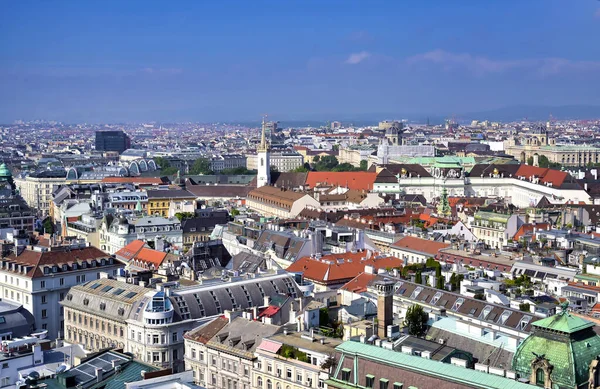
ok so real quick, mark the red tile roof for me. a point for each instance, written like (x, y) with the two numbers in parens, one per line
(354, 180)
(128, 252)
(528, 229)
(359, 283)
(145, 257)
(421, 245)
(56, 256)
(556, 177)
(341, 268)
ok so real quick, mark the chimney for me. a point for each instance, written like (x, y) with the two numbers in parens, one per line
(99, 374)
(267, 300)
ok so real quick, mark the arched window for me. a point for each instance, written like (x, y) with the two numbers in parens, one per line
(259, 382)
(269, 384)
(278, 385)
(539, 376)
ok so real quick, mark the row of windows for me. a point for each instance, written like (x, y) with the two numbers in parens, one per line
(153, 338)
(98, 325)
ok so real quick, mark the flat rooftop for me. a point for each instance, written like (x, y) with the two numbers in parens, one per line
(491, 257)
(295, 339)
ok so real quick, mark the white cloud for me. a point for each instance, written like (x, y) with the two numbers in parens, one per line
(482, 65)
(357, 58)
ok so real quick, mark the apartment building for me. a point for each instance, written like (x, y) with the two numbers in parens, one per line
(159, 201)
(495, 229)
(37, 188)
(40, 277)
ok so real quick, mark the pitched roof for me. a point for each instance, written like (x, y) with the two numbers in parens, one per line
(128, 252)
(170, 194)
(353, 180)
(138, 251)
(206, 332)
(58, 256)
(359, 283)
(419, 245)
(337, 268)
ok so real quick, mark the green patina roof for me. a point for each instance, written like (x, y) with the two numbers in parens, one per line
(429, 367)
(567, 342)
(493, 216)
(564, 322)
(4, 171)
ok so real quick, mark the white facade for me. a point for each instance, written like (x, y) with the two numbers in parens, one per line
(522, 193)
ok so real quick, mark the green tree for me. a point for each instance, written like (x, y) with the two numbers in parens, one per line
(184, 215)
(415, 320)
(48, 226)
(439, 282)
(364, 165)
(234, 212)
(316, 159)
(530, 161)
(300, 169)
(326, 163)
(524, 307)
(165, 166)
(418, 278)
(543, 161)
(344, 167)
(201, 166)
(479, 296)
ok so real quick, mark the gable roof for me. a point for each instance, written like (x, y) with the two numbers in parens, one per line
(338, 268)
(353, 180)
(138, 253)
(418, 245)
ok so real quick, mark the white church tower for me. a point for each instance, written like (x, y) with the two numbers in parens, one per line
(264, 166)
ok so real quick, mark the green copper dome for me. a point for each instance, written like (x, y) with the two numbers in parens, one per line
(4, 171)
(560, 349)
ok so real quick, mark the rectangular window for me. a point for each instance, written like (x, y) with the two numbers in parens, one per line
(369, 381)
(62, 281)
(345, 374)
(398, 385)
(44, 313)
(201, 356)
(154, 339)
(383, 383)
(193, 353)
(44, 299)
(42, 284)
(174, 337)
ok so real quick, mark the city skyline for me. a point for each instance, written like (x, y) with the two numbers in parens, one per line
(296, 60)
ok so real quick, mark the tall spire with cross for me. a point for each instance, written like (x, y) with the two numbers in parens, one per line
(263, 158)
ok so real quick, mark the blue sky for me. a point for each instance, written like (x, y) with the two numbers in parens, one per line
(108, 61)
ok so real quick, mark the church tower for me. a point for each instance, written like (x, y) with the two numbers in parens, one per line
(263, 156)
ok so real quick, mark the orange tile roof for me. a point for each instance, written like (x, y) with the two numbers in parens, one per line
(556, 177)
(338, 268)
(359, 283)
(528, 229)
(137, 251)
(421, 245)
(150, 256)
(354, 180)
(129, 251)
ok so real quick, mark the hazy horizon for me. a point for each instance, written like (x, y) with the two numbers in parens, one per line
(143, 61)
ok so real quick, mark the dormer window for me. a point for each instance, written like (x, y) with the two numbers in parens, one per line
(54, 269)
(74, 266)
(46, 270)
(65, 267)
(93, 263)
(84, 265)
(102, 262)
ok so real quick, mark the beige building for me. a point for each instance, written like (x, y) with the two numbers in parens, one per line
(37, 188)
(279, 202)
(536, 143)
(283, 162)
(96, 313)
(292, 361)
(221, 353)
(355, 154)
